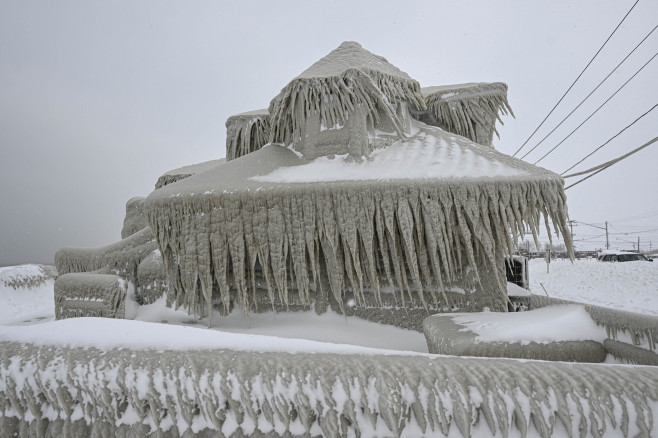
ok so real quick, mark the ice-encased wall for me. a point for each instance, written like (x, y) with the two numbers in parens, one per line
(121, 257)
(348, 78)
(90, 295)
(134, 220)
(469, 110)
(152, 280)
(246, 133)
(223, 236)
(58, 391)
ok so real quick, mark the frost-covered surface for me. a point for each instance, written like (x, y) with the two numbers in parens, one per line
(121, 257)
(468, 335)
(429, 154)
(152, 279)
(26, 294)
(544, 325)
(320, 394)
(85, 294)
(470, 110)
(26, 276)
(246, 133)
(135, 220)
(347, 78)
(631, 286)
(117, 372)
(417, 235)
(174, 175)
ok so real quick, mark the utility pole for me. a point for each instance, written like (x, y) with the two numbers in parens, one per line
(638, 243)
(607, 242)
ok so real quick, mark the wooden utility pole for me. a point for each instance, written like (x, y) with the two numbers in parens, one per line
(638, 243)
(607, 242)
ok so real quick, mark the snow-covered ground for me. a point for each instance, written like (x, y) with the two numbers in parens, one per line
(26, 298)
(27, 315)
(631, 286)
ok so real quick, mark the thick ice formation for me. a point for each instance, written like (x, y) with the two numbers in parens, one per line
(183, 172)
(134, 220)
(246, 133)
(348, 84)
(58, 391)
(470, 110)
(121, 257)
(90, 295)
(382, 236)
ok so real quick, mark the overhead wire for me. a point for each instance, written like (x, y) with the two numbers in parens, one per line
(579, 76)
(639, 216)
(596, 110)
(591, 92)
(604, 166)
(611, 138)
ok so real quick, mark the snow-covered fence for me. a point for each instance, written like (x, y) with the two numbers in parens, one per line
(56, 389)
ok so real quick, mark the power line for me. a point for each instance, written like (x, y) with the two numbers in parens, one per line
(639, 216)
(596, 110)
(574, 82)
(605, 165)
(616, 160)
(591, 92)
(610, 139)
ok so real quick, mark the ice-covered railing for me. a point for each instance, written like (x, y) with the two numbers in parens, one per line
(637, 332)
(246, 133)
(347, 78)
(470, 110)
(56, 389)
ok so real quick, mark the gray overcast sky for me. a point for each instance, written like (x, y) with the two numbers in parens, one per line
(97, 99)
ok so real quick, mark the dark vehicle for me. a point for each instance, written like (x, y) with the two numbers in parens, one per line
(622, 256)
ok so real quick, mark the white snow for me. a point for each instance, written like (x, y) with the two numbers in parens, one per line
(106, 334)
(423, 156)
(28, 315)
(569, 322)
(631, 286)
(25, 305)
(514, 290)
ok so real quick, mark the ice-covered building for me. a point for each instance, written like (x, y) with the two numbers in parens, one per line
(353, 204)
(358, 191)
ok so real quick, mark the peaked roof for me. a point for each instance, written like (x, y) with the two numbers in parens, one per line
(351, 55)
(348, 77)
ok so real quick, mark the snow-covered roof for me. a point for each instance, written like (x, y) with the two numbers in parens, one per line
(347, 77)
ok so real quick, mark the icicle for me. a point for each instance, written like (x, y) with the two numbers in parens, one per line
(470, 110)
(246, 133)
